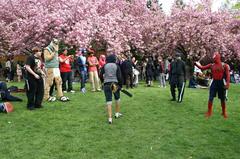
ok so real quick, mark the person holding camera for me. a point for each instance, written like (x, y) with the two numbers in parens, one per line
(66, 72)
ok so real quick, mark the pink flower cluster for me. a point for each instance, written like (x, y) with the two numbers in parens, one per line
(121, 24)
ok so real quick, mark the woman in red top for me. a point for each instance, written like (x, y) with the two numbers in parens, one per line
(65, 69)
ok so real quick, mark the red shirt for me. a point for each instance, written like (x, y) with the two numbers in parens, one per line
(66, 65)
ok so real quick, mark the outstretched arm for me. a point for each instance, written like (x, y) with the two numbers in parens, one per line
(203, 67)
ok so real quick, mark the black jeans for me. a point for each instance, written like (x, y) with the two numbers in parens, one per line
(66, 76)
(35, 92)
(128, 78)
(179, 83)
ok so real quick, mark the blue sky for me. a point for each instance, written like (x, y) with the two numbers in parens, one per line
(216, 4)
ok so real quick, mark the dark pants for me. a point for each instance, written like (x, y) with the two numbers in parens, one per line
(217, 87)
(149, 76)
(83, 75)
(11, 75)
(108, 92)
(177, 81)
(128, 78)
(8, 75)
(66, 76)
(35, 92)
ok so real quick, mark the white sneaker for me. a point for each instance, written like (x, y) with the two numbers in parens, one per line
(110, 120)
(72, 91)
(64, 91)
(52, 99)
(118, 115)
(83, 90)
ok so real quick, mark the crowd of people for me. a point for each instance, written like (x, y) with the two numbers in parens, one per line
(46, 70)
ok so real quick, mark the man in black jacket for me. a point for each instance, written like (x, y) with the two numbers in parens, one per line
(127, 72)
(177, 77)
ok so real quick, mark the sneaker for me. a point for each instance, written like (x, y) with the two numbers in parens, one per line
(83, 90)
(118, 115)
(72, 91)
(110, 120)
(64, 91)
(99, 90)
(51, 99)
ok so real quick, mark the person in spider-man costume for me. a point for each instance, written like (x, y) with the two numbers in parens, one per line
(220, 82)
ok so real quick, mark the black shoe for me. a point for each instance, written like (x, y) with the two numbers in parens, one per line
(179, 101)
(30, 108)
(40, 106)
(173, 99)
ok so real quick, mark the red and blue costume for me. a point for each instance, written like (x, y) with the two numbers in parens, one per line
(220, 83)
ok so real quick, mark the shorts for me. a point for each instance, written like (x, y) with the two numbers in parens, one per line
(217, 87)
(108, 93)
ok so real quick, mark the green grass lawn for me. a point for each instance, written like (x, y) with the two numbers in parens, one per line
(152, 127)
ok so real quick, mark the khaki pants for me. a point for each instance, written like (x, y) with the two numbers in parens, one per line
(50, 76)
(93, 77)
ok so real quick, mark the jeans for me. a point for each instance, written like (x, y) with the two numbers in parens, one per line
(83, 75)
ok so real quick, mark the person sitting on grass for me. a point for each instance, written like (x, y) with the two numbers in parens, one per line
(112, 79)
(5, 93)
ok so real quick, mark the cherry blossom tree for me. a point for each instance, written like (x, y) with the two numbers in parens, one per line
(118, 24)
(194, 31)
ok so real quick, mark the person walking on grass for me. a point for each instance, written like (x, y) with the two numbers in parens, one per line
(112, 79)
(34, 82)
(177, 77)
